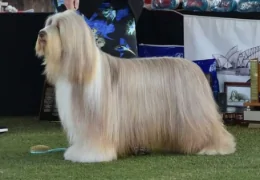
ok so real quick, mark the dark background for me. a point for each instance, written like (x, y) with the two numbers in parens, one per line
(21, 81)
(20, 71)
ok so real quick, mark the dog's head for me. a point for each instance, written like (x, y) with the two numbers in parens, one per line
(68, 47)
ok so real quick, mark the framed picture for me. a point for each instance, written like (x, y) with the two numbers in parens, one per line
(237, 93)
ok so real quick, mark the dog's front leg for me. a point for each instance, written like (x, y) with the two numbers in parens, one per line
(91, 145)
(90, 152)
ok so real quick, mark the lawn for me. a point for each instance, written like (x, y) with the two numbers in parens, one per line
(17, 164)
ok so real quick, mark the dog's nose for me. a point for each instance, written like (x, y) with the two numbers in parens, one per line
(42, 34)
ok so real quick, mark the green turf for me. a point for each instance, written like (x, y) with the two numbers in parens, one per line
(17, 164)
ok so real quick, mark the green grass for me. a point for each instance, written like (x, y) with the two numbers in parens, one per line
(17, 164)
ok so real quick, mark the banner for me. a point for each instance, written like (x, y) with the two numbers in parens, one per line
(150, 50)
(232, 42)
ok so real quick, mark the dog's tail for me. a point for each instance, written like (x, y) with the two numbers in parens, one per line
(200, 123)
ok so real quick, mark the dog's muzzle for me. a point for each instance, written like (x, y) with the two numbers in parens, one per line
(42, 34)
(42, 37)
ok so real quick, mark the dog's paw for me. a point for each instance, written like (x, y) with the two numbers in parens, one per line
(224, 146)
(208, 152)
(219, 151)
(89, 155)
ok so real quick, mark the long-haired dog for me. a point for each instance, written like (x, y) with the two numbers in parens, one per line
(108, 105)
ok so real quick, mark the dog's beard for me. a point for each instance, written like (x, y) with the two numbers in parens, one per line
(40, 48)
(49, 47)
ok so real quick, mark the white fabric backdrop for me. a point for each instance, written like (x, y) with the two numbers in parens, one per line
(232, 42)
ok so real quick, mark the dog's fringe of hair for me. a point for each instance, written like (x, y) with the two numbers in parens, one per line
(117, 104)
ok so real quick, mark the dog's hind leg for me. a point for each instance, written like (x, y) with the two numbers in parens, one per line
(200, 128)
(222, 143)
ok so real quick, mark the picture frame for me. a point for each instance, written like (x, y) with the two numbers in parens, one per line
(237, 93)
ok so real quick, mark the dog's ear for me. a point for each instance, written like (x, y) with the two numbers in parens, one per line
(80, 52)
